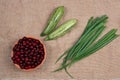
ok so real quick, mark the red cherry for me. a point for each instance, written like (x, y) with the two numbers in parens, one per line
(26, 59)
(18, 53)
(18, 60)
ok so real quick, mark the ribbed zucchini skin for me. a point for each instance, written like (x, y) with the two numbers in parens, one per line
(62, 30)
(53, 20)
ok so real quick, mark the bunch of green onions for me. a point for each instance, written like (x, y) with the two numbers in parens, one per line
(88, 43)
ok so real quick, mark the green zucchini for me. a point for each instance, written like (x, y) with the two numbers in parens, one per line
(64, 28)
(53, 20)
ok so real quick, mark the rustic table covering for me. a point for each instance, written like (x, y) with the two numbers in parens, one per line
(20, 18)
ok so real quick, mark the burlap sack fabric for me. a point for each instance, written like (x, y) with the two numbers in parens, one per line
(20, 18)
